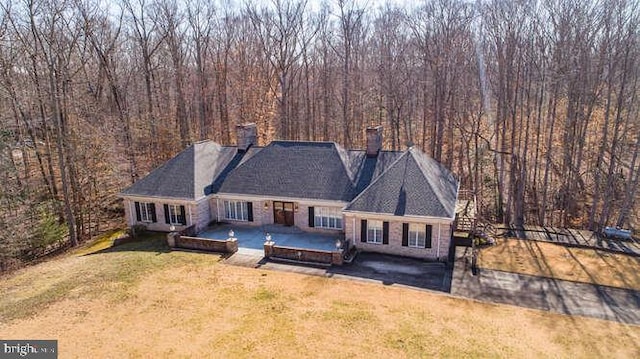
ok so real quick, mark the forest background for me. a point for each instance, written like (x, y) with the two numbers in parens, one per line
(533, 104)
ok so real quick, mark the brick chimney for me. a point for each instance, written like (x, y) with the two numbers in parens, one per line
(374, 140)
(247, 135)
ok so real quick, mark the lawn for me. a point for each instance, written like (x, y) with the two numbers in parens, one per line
(561, 262)
(141, 300)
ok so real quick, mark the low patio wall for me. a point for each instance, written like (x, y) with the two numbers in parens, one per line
(176, 240)
(305, 255)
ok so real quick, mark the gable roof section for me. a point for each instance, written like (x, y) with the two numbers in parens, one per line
(190, 174)
(314, 170)
(414, 184)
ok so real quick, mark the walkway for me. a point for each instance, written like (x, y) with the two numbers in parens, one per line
(617, 304)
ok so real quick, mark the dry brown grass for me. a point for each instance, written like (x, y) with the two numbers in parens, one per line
(147, 302)
(561, 262)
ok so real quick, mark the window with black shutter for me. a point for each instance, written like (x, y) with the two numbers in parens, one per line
(312, 219)
(385, 232)
(405, 234)
(138, 217)
(250, 211)
(429, 230)
(183, 217)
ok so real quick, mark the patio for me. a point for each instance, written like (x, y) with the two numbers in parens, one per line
(254, 237)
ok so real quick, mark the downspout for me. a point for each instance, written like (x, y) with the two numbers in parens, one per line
(438, 249)
(131, 215)
(217, 209)
(354, 231)
(190, 216)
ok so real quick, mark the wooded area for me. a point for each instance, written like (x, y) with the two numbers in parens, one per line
(533, 104)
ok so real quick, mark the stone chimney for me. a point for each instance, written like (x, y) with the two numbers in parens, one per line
(374, 140)
(247, 135)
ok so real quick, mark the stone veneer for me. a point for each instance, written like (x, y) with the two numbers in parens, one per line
(196, 213)
(441, 239)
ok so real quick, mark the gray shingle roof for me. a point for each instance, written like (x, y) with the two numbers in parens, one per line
(191, 173)
(414, 185)
(399, 183)
(315, 170)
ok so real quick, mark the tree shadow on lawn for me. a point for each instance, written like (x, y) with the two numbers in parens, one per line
(148, 242)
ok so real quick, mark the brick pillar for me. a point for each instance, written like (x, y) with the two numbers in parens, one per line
(172, 239)
(231, 245)
(337, 258)
(268, 248)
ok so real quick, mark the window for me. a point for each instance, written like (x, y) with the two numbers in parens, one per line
(417, 235)
(325, 217)
(374, 231)
(236, 210)
(147, 212)
(176, 214)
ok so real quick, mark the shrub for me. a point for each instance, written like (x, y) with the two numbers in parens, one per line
(137, 230)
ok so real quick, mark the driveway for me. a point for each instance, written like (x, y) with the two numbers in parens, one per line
(371, 267)
(393, 270)
(573, 298)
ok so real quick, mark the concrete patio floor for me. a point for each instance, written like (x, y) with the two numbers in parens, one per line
(254, 237)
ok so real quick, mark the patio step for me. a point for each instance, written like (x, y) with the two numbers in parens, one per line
(251, 258)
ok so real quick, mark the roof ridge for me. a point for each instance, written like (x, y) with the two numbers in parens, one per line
(342, 153)
(216, 147)
(434, 186)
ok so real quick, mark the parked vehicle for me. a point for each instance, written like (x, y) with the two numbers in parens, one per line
(617, 233)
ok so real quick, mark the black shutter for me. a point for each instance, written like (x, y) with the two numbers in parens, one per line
(154, 219)
(427, 242)
(385, 232)
(183, 218)
(363, 230)
(138, 217)
(405, 234)
(167, 220)
(250, 211)
(312, 217)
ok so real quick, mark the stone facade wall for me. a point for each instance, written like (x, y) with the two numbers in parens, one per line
(205, 244)
(195, 214)
(440, 239)
(262, 216)
(301, 219)
(303, 254)
(203, 215)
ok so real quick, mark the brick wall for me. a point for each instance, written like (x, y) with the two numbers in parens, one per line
(301, 219)
(197, 214)
(205, 244)
(260, 216)
(440, 240)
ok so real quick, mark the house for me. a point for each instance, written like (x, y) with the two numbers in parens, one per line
(397, 202)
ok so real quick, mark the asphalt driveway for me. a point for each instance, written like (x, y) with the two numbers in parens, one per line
(372, 267)
(390, 270)
(566, 297)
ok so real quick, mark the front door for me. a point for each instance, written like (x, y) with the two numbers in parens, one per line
(283, 213)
